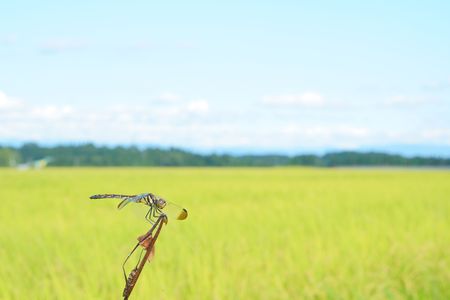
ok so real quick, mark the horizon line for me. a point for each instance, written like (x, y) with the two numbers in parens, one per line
(406, 150)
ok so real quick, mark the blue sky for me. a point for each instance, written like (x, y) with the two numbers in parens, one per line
(285, 76)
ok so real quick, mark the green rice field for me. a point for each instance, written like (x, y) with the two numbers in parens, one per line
(252, 233)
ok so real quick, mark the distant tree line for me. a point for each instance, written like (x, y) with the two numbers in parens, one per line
(91, 155)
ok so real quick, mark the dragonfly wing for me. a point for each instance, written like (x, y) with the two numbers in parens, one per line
(175, 211)
(183, 214)
(137, 199)
(123, 203)
(125, 198)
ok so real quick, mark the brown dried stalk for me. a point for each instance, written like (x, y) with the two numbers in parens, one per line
(148, 242)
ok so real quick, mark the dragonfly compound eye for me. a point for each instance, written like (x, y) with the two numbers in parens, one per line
(161, 203)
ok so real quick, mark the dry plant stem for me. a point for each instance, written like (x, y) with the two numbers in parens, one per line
(134, 274)
(141, 242)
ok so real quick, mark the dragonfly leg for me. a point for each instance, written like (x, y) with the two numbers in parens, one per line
(148, 216)
(140, 256)
(156, 212)
(126, 259)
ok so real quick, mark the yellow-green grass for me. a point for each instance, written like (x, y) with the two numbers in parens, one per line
(252, 233)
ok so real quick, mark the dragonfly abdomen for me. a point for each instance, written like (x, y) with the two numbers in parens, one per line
(131, 281)
(104, 196)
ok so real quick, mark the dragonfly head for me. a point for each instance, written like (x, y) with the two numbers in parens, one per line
(160, 203)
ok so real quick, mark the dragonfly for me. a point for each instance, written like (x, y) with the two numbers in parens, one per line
(158, 214)
(158, 205)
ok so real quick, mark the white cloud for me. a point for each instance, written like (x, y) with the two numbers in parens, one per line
(168, 97)
(51, 112)
(436, 135)
(195, 124)
(342, 135)
(7, 102)
(160, 124)
(307, 99)
(62, 45)
(408, 101)
(198, 106)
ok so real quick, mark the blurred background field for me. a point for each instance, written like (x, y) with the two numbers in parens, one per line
(252, 233)
(285, 128)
